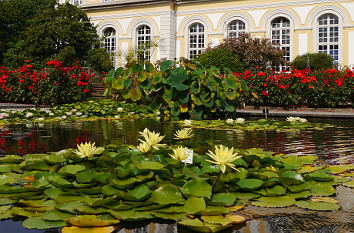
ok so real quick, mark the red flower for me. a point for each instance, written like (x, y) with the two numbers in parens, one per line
(27, 61)
(265, 93)
(21, 80)
(86, 90)
(264, 84)
(310, 87)
(30, 87)
(281, 86)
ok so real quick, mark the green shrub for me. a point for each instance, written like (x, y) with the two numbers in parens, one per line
(318, 61)
(220, 58)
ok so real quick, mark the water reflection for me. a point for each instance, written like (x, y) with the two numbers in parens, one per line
(333, 145)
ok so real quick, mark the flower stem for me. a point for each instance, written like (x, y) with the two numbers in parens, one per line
(180, 167)
(216, 180)
(151, 155)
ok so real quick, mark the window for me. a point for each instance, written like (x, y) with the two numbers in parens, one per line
(77, 2)
(110, 44)
(236, 28)
(280, 35)
(328, 35)
(144, 43)
(196, 40)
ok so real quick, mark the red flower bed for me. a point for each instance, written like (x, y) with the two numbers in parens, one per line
(52, 85)
(327, 88)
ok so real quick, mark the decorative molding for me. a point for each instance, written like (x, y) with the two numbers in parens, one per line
(195, 19)
(303, 12)
(109, 24)
(257, 15)
(143, 21)
(149, 13)
(294, 20)
(228, 18)
(328, 9)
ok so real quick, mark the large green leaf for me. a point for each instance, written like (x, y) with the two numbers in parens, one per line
(176, 79)
(6, 179)
(167, 194)
(165, 65)
(198, 188)
(39, 223)
(91, 221)
(276, 190)
(322, 190)
(315, 205)
(194, 205)
(319, 175)
(227, 199)
(291, 178)
(250, 184)
(148, 165)
(140, 192)
(71, 169)
(282, 201)
(56, 215)
(231, 81)
(197, 225)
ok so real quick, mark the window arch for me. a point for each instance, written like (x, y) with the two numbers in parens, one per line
(236, 28)
(196, 40)
(143, 40)
(280, 35)
(328, 35)
(110, 44)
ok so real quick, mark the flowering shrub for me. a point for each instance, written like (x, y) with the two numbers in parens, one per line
(326, 88)
(53, 85)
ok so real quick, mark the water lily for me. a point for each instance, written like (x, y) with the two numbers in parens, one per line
(4, 115)
(240, 120)
(229, 121)
(120, 109)
(183, 134)
(87, 150)
(187, 122)
(144, 147)
(223, 157)
(116, 116)
(179, 154)
(296, 119)
(51, 114)
(78, 113)
(29, 114)
(40, 119)
(152, 138)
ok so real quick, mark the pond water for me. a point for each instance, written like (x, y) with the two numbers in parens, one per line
(333, 145)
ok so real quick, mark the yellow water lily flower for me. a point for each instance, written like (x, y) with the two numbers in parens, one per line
(152, 138)
(144, 147)
(88, 150)
(223, 157)
(179, 154)
(183, 133)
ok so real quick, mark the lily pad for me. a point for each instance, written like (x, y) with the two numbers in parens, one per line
(74, 229)
(91, 221)
(314, 205)
(149, 165)
(227, 199)
(217, 219)
(194, 205)
(198, 188)
(39, 223)
(167, 194)
(199, 226)
(250, 184)
(140, 192)
(56, 215)
(322, 190)
(291, 178)
(71, 169)
(349, 184)
(283, 201)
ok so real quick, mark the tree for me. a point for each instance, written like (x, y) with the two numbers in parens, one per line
(62, 32)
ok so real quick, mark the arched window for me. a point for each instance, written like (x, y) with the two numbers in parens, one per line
(110, 44)
(236, 28)
(280, 35)
(328, 35)
(196, 40)
(144, 43)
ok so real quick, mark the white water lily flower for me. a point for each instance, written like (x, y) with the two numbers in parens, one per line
(239, 120)
(223, 157)
(152, 138)
(296, 119)
(63, 117)
(187, 122)
(78, 113)
(29, 114)
(179, 154)
(88, 150)
(183, 134)
(73, 110)
(144, 147)
(229, 121)
(68, 113)
(51, 114)
(158, 113)
(120, 109)
(117, 116)
(40, 119)
(4, 115)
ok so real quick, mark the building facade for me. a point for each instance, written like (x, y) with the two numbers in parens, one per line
(184, 28)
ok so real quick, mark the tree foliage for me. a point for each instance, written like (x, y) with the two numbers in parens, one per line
(317, 61)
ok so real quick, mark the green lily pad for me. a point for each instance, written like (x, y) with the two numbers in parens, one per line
(322, 190)
(349, 184)
(300, 195)
(167, 194)
(250, 184)
(282, 201)
(336, 169)
(168, 216)
(149, 165)
(71, 169)
(217, 219)
(198, 188)
(39, 223)
(85, 176)
(56, 215)
(6, 179)
(273, 191)
(319, 175)
(291, 178)
(315, 205)
(91, 221)
(227, 199)
(300, 187)
(140, 192)
(247, 196)
(197, 225)
(194, 205)
(214, 210)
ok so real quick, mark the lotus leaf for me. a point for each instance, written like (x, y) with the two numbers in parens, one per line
(217, 219)
(39, 223)
(227, 199)
(273, 192)
(167, 194)
(71, 169)
(149, 165)
(6, 179)
(85, 176)
(214, 210)
(199, 226)
(349, 184)
(74, 229)
(250, 184)
(11, 159)
(247, 196)
(140, 192)
(300, 195)
(325, 199)
(299, 188)
(91, 221)
(291, 178)
(198, 188)
(319, 175)
(314, 205)
(56, 215)
(322, 190)
(168, 216)
(194, 205)
(336, 169)
(281, 201)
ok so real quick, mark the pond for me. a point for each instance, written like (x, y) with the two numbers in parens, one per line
(333, 145)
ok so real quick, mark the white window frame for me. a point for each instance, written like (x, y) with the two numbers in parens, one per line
(328, 37)
(281, 34)
(77, 2)
(237, 31)
(199, 49)
(109, 40)
(147, 54)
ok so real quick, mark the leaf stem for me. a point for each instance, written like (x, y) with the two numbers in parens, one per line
(151, 156)
(180, 167)
(216, 180)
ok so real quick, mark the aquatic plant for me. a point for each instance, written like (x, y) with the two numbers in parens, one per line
(183, 134)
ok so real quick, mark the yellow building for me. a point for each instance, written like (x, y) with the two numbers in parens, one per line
(184, 28)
